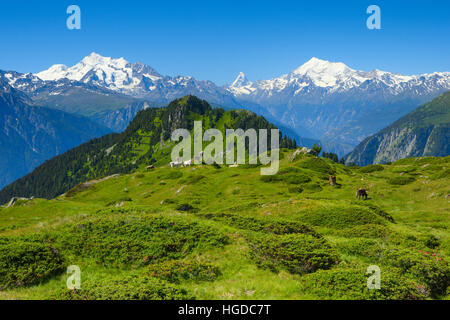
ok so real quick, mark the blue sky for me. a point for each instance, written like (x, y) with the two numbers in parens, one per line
(216, 39)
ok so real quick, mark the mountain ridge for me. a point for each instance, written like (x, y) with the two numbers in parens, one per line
(320, 100)
(423, 132)
(146, 141)
(29, 134)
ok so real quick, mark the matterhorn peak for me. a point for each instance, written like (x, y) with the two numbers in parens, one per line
(240, 81)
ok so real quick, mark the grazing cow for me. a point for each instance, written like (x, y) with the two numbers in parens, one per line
(187, 163)
(150, 167)
(175, 164)
(332, 181)
(361, 193)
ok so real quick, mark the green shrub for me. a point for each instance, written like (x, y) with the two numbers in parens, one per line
(267, 225)
(340, 217)
(425, 266)
(24, 263)
(342, 284)
(408, 169)
(287, 177)
(371, 168)
(297, 253)
(79, 189)
(193, 179)
(178, 270)
(175, 174)
(185, 207)
(375, 209)
(366, 231)
(296, 189)
(360, 246)
(400, 180)
(316, 164)
(312, 187)
(126, 240)
(429, 241)
(442, 174)
(131, 287)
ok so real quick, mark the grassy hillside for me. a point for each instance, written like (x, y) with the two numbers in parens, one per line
(423, 132)
(209, 232)
(145, 141)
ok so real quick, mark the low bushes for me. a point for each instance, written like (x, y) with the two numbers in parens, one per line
(175, 174)
(375, 209)
(427, 267)
(130, 287)
(193, 179)
(374, 231)
(290, 178)
(24, 263)
(399, 181)
(185, 207)
(360, 246)
(137, 240)
(352, 284)
(268, 225)
(297, 253)
(341, 217)
(178, 270)
(317, 164)
(371, 168)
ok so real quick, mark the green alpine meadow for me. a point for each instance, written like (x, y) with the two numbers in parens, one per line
(135, 227)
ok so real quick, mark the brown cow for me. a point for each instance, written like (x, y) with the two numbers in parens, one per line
(332, 181)
(361, 193)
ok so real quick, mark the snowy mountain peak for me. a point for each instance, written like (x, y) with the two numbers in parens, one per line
(94, 59)
(240, 81)
(324, 73)
(114, 74)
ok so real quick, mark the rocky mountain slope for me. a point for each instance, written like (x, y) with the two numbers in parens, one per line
(423, 132)
(29, 135)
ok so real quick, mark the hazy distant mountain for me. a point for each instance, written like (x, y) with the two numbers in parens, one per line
(29, 135)
(423, 132)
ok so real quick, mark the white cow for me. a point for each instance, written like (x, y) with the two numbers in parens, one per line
(175, 164)
(187, 163)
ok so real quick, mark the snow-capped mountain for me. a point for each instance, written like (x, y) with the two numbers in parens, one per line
(320, 99)
(240, 81)
(136, 79)
(336, 77)
(337, 104)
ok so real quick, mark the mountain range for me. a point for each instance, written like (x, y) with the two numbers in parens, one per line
(423, 132)
(321, 100)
